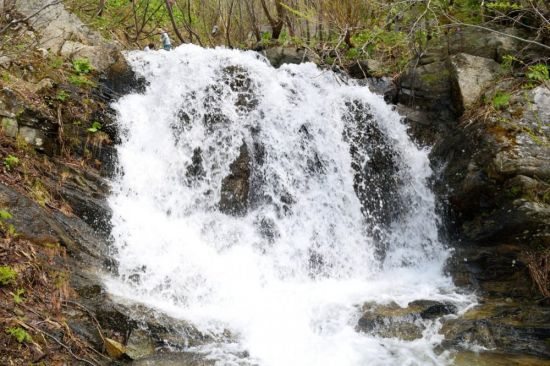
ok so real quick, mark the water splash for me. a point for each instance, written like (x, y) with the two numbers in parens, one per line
(326, 207)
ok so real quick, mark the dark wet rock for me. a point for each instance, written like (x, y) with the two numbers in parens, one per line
(384, 86)
(235, 187)
(377, 178)
(278, 55)
(428, 86)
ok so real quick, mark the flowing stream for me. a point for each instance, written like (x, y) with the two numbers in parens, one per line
(266, 206)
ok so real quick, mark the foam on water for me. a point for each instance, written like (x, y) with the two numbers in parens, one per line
(287, 278)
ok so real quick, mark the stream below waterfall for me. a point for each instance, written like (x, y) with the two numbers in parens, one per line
(267, 206)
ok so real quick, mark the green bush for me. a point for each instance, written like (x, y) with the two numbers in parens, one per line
(7, 275)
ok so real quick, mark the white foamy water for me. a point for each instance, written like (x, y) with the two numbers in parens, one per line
(286, 278)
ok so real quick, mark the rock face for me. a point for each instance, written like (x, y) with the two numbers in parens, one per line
(62, 32)
(493, 187)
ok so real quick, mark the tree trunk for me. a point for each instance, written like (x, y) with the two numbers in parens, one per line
(173, 21)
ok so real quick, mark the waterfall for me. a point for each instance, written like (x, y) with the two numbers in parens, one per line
(265, 206)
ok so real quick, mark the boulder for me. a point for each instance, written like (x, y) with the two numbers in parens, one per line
(365, 68)
(32, 136)
(279, 55)
(100, 57)
(5, 62)
(56, 26)
(472, 74)
(9, 127)
(428, 86)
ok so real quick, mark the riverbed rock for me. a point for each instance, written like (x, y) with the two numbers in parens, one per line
(236, 186)
(394, 321)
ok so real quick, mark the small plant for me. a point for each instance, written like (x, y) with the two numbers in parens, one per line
(18, 296)
(10, 162)
(82, 66)
(501, 100)
(96, 126)
(62, 95)
(80, 81)
(20, 334)
(7, 275)
(538, 72)
(5, 215)
(56, 62)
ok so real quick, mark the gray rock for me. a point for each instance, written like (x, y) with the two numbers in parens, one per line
(9, 127)
(55, 25)
(100, 57)
(5, 62)
(42, 85)
(32, 136)
(278, 56)
(139, 344)
(472, 74)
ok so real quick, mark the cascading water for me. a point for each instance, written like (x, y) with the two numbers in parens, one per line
(272, 203)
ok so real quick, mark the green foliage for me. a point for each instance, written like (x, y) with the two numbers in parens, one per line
(20, 334)
(18, 296)
(62, 96)
(5, 215)
(538, 72)
(501, 100)
(10, 162)
(352, 54)
(503, 6)
(7, 275)
(82, 66)
(81, 81)
(96, 126)
(56, 62)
